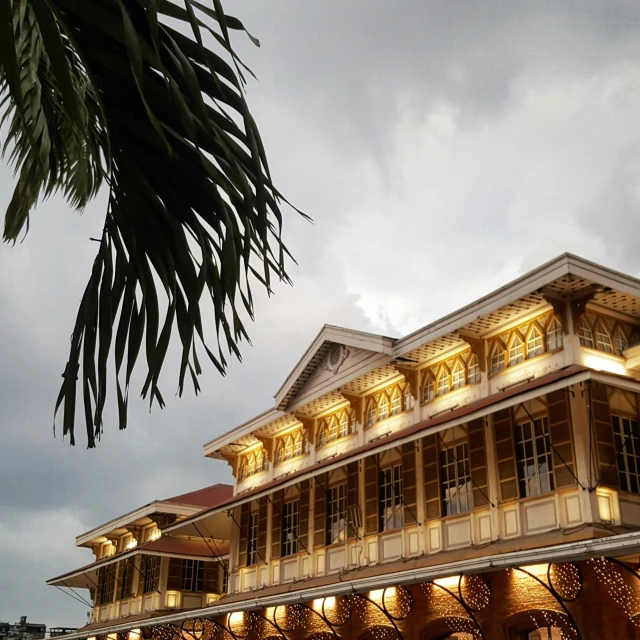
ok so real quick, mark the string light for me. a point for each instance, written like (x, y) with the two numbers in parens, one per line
(565, 579)
(475, 592)
(610, 575)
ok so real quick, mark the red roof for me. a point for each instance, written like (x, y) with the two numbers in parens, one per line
(205, 498)
(484, 403)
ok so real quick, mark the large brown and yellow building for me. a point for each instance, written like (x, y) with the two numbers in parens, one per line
(479, 478)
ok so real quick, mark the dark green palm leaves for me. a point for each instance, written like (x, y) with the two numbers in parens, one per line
(113, 92)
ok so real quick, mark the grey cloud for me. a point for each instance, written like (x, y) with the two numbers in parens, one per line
(442, 149)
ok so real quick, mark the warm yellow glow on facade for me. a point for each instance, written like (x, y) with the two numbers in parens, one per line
(155, 534)
(450, 582)
(608, 508)
(603, 362)
(329, 603)
(132, 543)
(376, 595)
(134, 634)
(172, 599)
(538, 570)
(236, 617)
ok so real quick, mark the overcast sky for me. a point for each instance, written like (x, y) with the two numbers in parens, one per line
(442, 148)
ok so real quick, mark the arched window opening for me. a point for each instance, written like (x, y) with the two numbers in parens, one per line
(333, 429)
(251, 468)
(620, 341)
(297, 444)
(260, 461)
(534, 343)
(516, 351)
(407, 402)
(554, 335)
(603, 339)
(243, 470)
(353, 426)
(322, 435)
(585, 334)
(474, 370)
(343, 429)
(383, 406)
(497, 358)
(428, 391)
(396, 401)
(458, 378)
(372, 412)
(442, 386)
(279, 451)
(288, 448)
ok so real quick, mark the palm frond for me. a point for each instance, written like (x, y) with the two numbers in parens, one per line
(117, 93)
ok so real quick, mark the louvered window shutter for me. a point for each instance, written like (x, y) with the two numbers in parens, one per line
(505, 455)
(478, 463)
(141, 575)
(263, 504)
(409, 483)
(560, 436)
(245, 512)
(210, 581)
(276, 525)
(304, 514)
(156, 573)
(608, 469)
(98, 599)
(174, 578)
(320, 511)
(371, 480)
(432, 500)
(352, 500)
(128, 587)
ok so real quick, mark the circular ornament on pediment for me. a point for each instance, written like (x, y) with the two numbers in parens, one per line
(336, 355)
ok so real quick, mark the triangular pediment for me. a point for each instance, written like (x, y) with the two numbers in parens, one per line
(332, 358)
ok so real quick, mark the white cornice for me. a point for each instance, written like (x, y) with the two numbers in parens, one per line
(341, 335)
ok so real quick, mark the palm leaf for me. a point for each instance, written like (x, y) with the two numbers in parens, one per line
(113, 92)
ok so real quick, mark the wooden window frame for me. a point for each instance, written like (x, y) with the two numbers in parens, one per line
(393, 500)
(538, 429)
(252, 539)
(337, 513)
(501, 363)
(535, 351)
(290, 531)
(457, 458)
(627, 450)
(192, 575)
(553, 328)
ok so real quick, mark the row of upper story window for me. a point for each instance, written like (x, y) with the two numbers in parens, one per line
(524, 342)
(115, 581)
(455, 481)
(127, 541)
(601, 332)
(534, 455)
